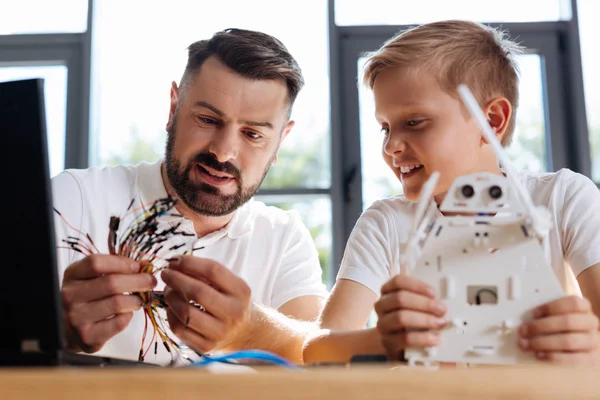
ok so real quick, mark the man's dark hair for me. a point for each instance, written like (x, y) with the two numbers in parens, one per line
(251, 54)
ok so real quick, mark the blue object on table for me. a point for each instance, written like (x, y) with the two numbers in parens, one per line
(249, 355)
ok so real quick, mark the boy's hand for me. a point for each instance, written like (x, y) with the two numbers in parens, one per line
(563, 331)
(407, 313)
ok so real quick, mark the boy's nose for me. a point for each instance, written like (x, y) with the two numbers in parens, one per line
(394, 144)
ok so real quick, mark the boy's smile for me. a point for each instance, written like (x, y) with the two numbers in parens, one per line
(426, 130)
(407, 171)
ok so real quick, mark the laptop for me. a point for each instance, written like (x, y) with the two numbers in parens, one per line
(32, 331)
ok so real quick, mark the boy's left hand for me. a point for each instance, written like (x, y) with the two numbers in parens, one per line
(563, 331)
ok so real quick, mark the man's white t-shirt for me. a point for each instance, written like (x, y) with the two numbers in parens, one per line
(372, 254)
(269, 248)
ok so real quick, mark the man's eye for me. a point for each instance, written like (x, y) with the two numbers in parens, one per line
(385, 130)
(253, 135)
(207, 120)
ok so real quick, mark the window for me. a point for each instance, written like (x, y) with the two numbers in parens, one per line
(541, 141)
(378, 181)
(133, 75)
(528, 148)
(315, 212)
(404, 12)
(55, 96)
(131, 68)
(139, 47)
(589, 31)
(35, 16)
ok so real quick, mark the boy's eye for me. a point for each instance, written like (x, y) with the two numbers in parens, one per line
(385, 130)
(413, 122)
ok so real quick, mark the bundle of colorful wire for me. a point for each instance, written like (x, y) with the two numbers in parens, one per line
(144, 242)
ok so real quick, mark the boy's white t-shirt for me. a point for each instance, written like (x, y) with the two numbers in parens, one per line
(372, 254)
(269, 248)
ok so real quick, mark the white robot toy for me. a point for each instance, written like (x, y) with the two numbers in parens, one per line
(485, 258)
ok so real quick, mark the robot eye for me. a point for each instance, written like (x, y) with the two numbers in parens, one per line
(495, 192)
(467, 191)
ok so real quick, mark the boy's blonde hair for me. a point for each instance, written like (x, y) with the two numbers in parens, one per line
(456, 52)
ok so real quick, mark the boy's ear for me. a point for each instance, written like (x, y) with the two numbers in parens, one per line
(498, 113)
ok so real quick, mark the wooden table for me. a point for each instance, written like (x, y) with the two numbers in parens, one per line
(365, 382)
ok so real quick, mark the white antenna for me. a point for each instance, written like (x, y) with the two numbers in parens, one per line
(540, 218)
(412, 251)
(424, 198)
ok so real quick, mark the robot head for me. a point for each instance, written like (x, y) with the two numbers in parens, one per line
(482, 192)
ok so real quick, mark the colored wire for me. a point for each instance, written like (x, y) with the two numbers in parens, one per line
(248, 355)
(143, 241)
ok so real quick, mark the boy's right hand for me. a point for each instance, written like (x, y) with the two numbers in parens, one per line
(408, 315)
(95, 305)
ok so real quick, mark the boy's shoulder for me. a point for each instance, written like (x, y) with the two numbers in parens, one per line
(392, 209)
(543, 186)
(549, 177)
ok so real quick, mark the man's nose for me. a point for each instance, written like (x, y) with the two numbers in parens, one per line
(225, 144)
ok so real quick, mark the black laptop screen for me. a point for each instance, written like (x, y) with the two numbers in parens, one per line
(30, 311)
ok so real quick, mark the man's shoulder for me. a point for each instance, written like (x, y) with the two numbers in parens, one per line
(261, 214)
(100, 175)
(117, 179)
(103, 188)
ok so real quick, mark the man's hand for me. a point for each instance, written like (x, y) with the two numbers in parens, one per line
(224, 298)
(409, 315)
(563, 331)
(94, 303)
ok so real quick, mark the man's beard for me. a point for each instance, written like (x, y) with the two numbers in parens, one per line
(201, 197)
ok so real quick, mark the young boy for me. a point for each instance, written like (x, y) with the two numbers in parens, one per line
(426, 128)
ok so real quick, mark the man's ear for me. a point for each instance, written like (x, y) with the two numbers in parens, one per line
(286, 130)
(173, 104)
(498, 113)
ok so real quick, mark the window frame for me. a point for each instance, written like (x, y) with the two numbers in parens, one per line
(72, 50)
